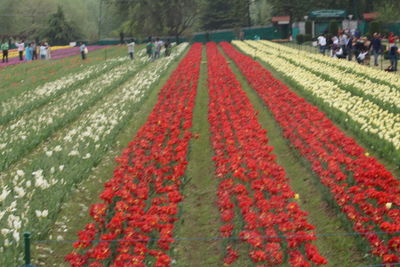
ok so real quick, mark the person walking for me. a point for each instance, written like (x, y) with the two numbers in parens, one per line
(83, 50)
(322, 44)
(20, 48)
(376, 46)
(131, 49)
(4, 48)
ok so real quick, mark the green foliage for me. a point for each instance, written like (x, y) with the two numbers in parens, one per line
(154, 17)
(300, 38)
(59, 30)
(333, 28)
(260, 12)
(389, 11)
(308, 27)
(375, 26)
(223, 14)
(298, 8)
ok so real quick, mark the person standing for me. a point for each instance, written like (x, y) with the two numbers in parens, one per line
(48, 51)
(391, 39)
(150, 48)
(167, 46)
(343, 39)
(158, 45)
(20, 48)
(83, 50)
(34, 51)
(28, 52)
(349, 48)
(4, 48)
(393, 57)
(43, 51)
(322, 44)
(376, 46)
(131, 49)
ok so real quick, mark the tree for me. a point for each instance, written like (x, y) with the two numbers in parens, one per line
(260, 12)
(389, 11)
(59, 30)
(220, 14)
(154, 17)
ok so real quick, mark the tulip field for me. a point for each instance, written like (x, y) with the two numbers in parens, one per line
(248, 153)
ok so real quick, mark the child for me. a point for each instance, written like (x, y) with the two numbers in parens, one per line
(393, 57)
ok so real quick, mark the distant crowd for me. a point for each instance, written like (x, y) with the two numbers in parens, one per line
(352, 45)
(27, 52)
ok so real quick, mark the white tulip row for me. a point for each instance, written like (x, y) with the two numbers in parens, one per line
(377, 75)
(32, 191)
(12, 107)
(19, 136)
(387, 96)
(372, 119)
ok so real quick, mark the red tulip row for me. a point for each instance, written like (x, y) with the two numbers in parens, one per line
(362, 188)
(254, 198)
(141, 200)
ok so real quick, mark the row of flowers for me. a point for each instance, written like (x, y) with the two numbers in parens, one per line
(375, 75)
(388, 97)
(33, 190)
(74, 96)
(254, 197)
(31, 98)
(360, 186)
(375, 126)
(141, 200)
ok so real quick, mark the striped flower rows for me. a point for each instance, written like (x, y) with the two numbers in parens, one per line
(387, 97)
(32, 192)
(27, 101)
(254, 197)
(361, 187)
(141, 200)
(376, 126)
(21, 135)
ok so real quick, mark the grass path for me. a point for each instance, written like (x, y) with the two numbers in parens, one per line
(74, 214)
(339, 250)
(200, 217)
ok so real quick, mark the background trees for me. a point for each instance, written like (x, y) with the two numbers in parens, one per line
(95, 19)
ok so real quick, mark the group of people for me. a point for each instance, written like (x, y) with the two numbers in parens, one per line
(349, 45)
(154, 47)
(31, 50)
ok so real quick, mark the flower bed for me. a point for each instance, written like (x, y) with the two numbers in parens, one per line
(33, 191)
(254, 196)
(361, 187)
(23, 134)
(141, 201)
(377, 127)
